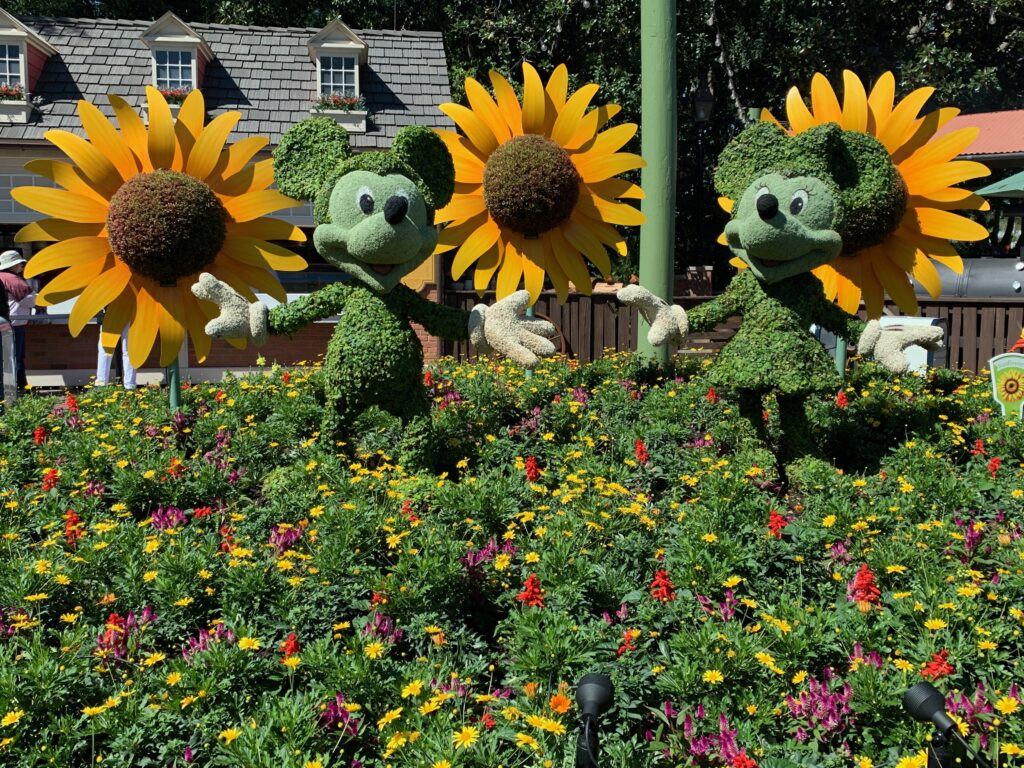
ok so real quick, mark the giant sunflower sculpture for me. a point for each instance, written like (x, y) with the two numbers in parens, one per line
(142, 212)
(881, 263)
(536, 185)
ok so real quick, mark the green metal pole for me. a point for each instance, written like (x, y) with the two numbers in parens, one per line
(658, 146)
(173, 385)
(841, 358)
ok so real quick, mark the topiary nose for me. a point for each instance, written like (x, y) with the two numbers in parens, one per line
(397, 206)
(767, 206)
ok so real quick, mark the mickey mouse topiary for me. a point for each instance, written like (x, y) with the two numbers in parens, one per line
(374, 213)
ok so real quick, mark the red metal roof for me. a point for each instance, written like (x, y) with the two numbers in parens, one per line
(1002, 133)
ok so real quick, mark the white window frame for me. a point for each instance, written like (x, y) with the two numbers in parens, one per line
(330, 52)
(193, 50)
(22, 58)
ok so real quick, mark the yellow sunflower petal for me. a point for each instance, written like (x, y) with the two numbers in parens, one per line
(589, 125)
(578, 233)
(726, 204)
(105, 138)
(554, 244)
(880, 100)
(259, 253)
(65, 205)
(486, 266)
(145, 325)
(899, 126)
(870, 285)
(607, 142)
(511, 271)
(461, 207)
(67, 253)
(535, 102)
(923, 132)
(576, 270)
(508, 103)
(926, 274)
(533, 268)
(117, 315)
(102, 174)
(613, 213)
(568, 119)
(824, 102)
(950, 199)
(195, 324)
(848, 291)
(900, 253)
(800, 118)
(483, 106)
(946, 225)
(558, 86)
(56, 229)
(189, 126)
(895, 282)
(827, 275)
(170, 320)
(722, 239)
(610, 237)
(601, 167)
(474, 246)
(252, 178)
(209, 145)
(67, 176)
(453, 235)
(473, 126)
(256, 204)
(939, 150)
(947, 174)
(235, 157)
(855, 103)
(611, 189)
(224, 271)
(133, 130)
(71, 281)
(266, 229)
(162, 143)
(767, 116)
(98, 294)
(261, 279)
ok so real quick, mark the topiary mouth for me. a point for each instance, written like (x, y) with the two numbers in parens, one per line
(530, 185)
(166, 225)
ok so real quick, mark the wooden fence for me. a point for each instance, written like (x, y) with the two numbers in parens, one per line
(976, 328)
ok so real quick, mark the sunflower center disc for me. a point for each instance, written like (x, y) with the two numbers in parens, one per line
(530, 185)
(166, 225)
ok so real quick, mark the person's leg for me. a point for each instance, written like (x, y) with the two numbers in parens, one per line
(102, 364)
(19, 356)
(126, 364)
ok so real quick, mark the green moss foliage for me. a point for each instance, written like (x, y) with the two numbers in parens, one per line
(309, 151)
(424, 150)
(166, 225)
(530, 184)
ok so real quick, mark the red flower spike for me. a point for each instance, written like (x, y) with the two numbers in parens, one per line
(776, 523)
(532, 469)
(993, 466)
(938, 667)
(641, 452)
(742, 760)
(662, 588)
(841, 399)
(711, 396)
(39, 435)
(532, 594)
(979, 448)
(291, 647)
(864, 590)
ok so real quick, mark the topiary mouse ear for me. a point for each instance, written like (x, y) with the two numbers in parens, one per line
(308, 153)
(424, 150)
(755, 151)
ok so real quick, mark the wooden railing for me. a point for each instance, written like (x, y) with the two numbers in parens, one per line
(976, 328)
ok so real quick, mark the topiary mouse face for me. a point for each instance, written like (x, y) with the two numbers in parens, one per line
(783, 226)
(805, 200)
(378, 229)
(375, 210)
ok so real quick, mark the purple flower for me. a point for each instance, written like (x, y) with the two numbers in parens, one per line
(171, 517)
(284, 537)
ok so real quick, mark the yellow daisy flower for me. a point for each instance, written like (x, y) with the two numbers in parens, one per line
(140, 213)
(930, 174)
(536, 185)
(466, 738)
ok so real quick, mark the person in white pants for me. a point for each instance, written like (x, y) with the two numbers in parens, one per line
(103, 361)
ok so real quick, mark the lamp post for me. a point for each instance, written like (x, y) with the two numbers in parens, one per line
(703, 102)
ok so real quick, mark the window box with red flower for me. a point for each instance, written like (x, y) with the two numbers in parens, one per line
(348, 111)
(14, 104)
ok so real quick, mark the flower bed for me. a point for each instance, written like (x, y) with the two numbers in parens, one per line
(225, 587)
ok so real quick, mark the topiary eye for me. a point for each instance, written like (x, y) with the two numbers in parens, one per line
(797, 202)
(365, 198)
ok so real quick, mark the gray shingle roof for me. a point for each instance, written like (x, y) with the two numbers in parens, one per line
(265, 73)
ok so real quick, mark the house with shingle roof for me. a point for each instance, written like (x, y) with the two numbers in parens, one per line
(274, 76)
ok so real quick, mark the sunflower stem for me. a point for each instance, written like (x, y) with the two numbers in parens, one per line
(173, 385)
(841, 358)
(658, 146)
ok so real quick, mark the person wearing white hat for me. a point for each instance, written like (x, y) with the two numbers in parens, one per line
(20, 301)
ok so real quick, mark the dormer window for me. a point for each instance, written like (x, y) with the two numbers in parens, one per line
(174, 70)
(179, 54)
(11, 69)
(339, 74)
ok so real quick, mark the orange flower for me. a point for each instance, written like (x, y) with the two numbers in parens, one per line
(560, 703)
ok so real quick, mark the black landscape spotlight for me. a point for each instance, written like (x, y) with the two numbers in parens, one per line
(594, 696)
(925, 703)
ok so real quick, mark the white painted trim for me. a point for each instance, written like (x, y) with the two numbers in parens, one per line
(336, 34)
(319, 70)
(191, 47)
(18, 39)
(160, 33)
(16, 27)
